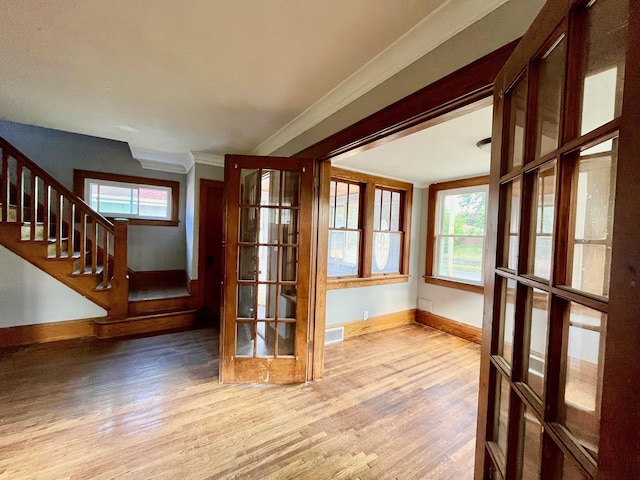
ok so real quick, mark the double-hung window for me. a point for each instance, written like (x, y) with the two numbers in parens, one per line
(456, 231)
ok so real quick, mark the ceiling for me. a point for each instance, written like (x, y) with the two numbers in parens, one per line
(446, 151)
(214, 76)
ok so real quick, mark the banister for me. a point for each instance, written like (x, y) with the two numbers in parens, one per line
(58, 187)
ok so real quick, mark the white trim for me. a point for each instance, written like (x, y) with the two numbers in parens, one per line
(208, 159)
(445, 22)
(174, 162)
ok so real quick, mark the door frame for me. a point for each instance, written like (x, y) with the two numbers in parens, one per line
(202, 239)
(442, 100)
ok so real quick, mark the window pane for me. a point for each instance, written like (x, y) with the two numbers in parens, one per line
(604, 62)
(532, 447)
(267, 300)
(270, 187)
(395, 211)
(246, 301)
(332, 203)
(386, 252)
(463, 213)
(558, 467)
(590, 255)
(117, 200)
(507, 319)
(289, 225)
(501, 415)
(154, 202)
(550, 81)
(291, 189)
(518, 100)
(353, 220)
(249, 189)
(579, 402)
(545, 199)
(267, 264)
(269, 225)
(385, 215)
(342, 194)
(461, 258)
(247, 263)
(286, 338)
(344, 253)
(265, 339)
(289, 264)
(287, 302)
(376, 209)
(538, 325)
(512, 225)
(248, 225)
(244, 339)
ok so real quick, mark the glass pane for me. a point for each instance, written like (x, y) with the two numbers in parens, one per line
(290, 226)
(538, 325)
(266, 339)
(154, 202)
(353, 220)
(550, 82)
(246, 301)
(507, 316)
(248, 225)
(268, 264)
(247, 263)
(287, 302)
(501, 416)
(267, 301)
(545, 199)
(395, 211)
(344, 253)
(269, 225)
(386, 252)
(532, 447)
(604, 62)
(518, 100)
(342, 195)
(512, 225)
(332, 203)
(289, 263)
(286, 338)
(291, 189)
(385, 215)
(244, 339)
(461, 258)
(559, 467)
(592, 208)
(249, 189)
(270, 187)
(463, 213)
(579, 408)
(376, 209)
(116, 200)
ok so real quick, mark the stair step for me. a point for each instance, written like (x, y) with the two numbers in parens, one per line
(12, 214)
(25, 232)
(162, 322)
(87, 270)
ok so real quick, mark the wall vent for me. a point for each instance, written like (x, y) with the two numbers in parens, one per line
(333, 335)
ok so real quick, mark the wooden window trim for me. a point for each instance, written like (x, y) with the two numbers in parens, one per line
(434, 188)
(368, 184)
(79, 177)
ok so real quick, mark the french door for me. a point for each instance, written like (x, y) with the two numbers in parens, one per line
(266, 316)
(561, 331)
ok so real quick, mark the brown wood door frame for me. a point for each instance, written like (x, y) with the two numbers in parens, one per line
(205, 184)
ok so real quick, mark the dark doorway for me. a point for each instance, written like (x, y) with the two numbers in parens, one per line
(211, 249)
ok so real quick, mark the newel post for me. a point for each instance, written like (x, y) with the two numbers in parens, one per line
(120, 280)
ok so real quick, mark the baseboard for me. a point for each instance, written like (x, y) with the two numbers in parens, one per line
(148, 324)
(462, 330)
(46, 332)
(377, 323)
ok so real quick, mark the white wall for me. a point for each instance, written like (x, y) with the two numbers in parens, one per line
(29, 296)
(348, 304)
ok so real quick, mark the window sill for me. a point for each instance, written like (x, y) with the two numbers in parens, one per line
(469, 287)
(366, 282)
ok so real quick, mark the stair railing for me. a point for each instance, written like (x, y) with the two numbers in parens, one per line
(66, 223)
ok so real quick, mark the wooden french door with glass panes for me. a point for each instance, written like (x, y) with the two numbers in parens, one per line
(561, 321)
(269, 204)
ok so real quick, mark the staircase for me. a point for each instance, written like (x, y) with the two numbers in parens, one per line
(49, 226)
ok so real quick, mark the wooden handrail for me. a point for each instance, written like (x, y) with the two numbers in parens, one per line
(43, 201)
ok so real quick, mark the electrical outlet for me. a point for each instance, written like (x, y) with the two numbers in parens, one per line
(365, 315)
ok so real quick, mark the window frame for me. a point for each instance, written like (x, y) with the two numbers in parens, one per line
(80, 177)
(368, 184)
(432, 218)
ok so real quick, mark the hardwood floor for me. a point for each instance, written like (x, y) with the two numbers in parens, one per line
(394, 404)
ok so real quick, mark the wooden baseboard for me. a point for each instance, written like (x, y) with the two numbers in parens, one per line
(462, 330)
(46, 332)
(377, 323)
(106, 328)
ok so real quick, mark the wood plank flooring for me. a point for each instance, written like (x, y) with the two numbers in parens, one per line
(394, 404)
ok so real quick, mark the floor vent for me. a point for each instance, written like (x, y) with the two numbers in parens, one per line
(333, 335)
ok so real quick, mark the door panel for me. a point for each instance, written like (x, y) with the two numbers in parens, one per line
(211, 248)
(268, 269)
(550, 333)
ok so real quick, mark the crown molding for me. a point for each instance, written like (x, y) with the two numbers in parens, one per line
(445, 22)
(173, 162)
(208, 159)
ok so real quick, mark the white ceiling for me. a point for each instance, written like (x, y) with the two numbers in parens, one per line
(446, 151)
(217, 76)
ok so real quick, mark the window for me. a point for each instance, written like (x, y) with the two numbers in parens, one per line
(456, 233)
(144, 201)
(369, 221)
